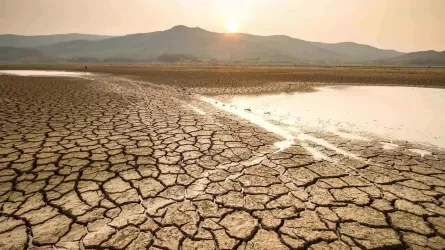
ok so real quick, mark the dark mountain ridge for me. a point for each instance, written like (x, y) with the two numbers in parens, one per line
(227, 47)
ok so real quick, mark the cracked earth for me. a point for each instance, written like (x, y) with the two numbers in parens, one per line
(113, 163)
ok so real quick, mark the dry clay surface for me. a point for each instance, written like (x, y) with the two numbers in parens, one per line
(112, 163)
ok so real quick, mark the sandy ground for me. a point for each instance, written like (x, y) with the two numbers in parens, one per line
(110, 162)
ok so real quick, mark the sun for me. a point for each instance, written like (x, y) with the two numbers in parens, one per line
(232, 26)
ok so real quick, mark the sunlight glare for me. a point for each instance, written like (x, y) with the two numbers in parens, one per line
(232, 26)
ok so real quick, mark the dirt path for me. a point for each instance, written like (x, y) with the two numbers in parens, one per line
(111, 163)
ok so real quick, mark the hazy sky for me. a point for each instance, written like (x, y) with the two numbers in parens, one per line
(405, 25)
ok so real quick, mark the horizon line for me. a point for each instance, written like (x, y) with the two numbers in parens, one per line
(197, 27)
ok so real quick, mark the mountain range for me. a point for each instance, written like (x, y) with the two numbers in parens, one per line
(202, 45)
(36, 41)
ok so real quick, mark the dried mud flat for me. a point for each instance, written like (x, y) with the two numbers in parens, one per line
(115, 163)
(244, 80)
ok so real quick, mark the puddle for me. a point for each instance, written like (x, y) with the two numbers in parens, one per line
(401, 113)
(43, 73)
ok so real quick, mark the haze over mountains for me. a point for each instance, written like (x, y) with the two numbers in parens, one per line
(36, 41)
(184, 44)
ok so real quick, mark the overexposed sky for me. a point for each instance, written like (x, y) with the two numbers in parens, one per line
(405, 25)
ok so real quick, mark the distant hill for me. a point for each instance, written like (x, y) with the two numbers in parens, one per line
(359, 52)
(424, 58)
(205, 44)
(12, 54)
(182, 44)
(37, 41)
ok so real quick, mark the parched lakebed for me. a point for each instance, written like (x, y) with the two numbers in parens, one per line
(110, 162)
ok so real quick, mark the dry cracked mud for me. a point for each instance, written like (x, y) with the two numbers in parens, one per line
(112, 163)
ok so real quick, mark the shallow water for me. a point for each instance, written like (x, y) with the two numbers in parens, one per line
(43, 73)
(401, 113)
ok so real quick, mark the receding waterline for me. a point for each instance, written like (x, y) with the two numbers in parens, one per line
(43, 73)
(289, 138)
(402, 113)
